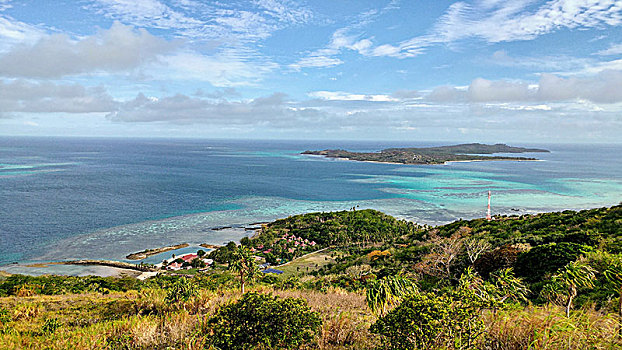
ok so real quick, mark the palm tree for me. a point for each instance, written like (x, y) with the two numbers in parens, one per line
(387, 292)
(565, 284)
(243, 262)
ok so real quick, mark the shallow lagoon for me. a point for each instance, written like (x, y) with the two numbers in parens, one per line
(105, 198)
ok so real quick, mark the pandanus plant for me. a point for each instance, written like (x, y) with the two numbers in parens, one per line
(244, 264)
(387, 292)
(613, 275)
(565, 285)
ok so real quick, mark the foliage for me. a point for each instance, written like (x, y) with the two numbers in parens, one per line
(50, 326)
(244, 264)
(181, 290)
(565, 284)
(223, 254)
(586, 227)
(54, 285)
(387, 292)
(295, 236)
(548, 258)
(508, 286)
(499, 258)
(428, 320)
(264, 321)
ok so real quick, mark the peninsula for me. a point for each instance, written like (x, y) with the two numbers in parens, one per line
(431, 155)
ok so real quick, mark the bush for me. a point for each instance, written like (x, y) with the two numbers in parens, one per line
(500, 258)
(264, 321)
(430, 321)
(415, 323)
(50, 326)
(548, 258)
(181, 290)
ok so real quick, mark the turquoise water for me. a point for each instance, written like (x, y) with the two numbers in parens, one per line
(105, 198)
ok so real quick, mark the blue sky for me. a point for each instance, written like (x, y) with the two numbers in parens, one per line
(483, 70)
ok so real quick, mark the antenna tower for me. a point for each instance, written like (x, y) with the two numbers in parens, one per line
(488, 216)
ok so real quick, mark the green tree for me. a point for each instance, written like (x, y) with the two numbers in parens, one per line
(385, 293)
(565, 285)
(244, 264)
(197, 263)
(264, 321)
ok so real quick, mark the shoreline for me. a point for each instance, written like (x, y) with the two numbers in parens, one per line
(143, 254)
(439, 163)
(491, 160)
(109, 263)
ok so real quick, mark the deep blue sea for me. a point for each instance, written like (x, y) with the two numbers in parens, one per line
(67, 198)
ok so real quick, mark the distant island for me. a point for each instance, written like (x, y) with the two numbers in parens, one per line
(431, 155)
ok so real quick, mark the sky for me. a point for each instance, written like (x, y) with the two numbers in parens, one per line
(521, 71)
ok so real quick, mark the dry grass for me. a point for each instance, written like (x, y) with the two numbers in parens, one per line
(549, 328)
(136, 320)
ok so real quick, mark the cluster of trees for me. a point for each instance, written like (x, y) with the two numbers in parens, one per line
(342, 228)
(565, 258)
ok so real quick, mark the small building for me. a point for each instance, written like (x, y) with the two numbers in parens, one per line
(275, 271)
(189, 257)
(174, 266)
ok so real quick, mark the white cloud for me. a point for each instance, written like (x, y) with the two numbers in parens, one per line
(603, 88)
(345, 96)
(503, 21)
(342, 39)
(316, 62)
(22, 96)
(5, 4)
(143, 13)
(12, 31)
(482, 90)
(225, 22)
(559, 63)
(513, 20)
(614, 49)
(224, 69)
(285, 11)
(273, 110)
(447, 93)
(119, 48)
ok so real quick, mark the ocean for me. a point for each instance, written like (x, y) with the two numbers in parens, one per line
(72, 198)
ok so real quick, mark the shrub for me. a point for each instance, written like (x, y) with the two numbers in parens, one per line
(415, 323)
(500, 258)
(5, 318)
(548, 258)
(430, 321)
(50, 326)
(264, 321)
(181, 290)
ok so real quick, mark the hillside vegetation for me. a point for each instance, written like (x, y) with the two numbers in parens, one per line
(546, 281)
